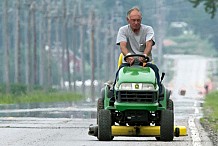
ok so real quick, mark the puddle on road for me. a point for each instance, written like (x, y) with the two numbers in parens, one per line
(49, 110)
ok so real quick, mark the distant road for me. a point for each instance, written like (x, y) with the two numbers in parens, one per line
(190, 73)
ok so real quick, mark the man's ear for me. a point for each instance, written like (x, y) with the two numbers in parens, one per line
(127, 19)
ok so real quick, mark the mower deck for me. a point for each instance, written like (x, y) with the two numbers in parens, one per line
(139, 131)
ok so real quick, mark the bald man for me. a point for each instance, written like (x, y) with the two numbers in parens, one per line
(137, 38)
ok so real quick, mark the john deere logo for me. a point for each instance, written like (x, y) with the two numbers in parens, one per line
(136, 86)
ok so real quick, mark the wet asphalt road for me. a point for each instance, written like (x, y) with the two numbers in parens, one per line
(33, 131)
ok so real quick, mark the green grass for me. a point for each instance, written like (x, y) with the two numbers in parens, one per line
(40, 97)
(210, 110)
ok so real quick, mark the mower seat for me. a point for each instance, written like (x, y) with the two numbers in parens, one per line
(120, 60)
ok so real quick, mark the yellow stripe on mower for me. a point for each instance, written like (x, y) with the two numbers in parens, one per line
(145, 131)
(138, 131)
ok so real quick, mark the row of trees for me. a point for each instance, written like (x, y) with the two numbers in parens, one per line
(48, 42)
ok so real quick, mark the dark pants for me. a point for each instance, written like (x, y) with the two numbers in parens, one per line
(156, 71)
(153, 66)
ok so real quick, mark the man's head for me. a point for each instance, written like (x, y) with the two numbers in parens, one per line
(134, 18)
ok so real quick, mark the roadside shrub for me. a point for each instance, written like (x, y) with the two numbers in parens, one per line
(15, 89)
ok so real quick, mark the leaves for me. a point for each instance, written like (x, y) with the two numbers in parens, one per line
(210, 6)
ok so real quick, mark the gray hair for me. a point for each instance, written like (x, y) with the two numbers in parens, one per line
(132, 9)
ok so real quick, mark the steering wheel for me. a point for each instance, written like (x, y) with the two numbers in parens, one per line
(146, 58)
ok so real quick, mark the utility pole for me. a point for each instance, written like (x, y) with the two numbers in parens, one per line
(6, 46)
(28, 48)
(65, 44)
(42, 40)
(111, 47)
(49, 74)
(81, 30)
(17, 58)
(57, 45)
(35, 59)
(92, 31)
(98, 55)
(106, 51)
(74, 40)
(160, 13)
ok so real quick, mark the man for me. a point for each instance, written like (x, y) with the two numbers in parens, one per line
(137, 38)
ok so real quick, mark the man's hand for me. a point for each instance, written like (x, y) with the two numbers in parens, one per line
(142, 59)
(130, 60)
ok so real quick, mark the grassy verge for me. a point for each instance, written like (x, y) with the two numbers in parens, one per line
(39, 97)
(210, 110)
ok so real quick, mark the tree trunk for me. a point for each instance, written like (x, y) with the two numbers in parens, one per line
(57, 46)
(92, 17)
(160, 29)
(43, 55)
(28, 51)
(6, 47)
(35, 59)
(65, 45)
(49, 75)
(81, 28)
(17, 58)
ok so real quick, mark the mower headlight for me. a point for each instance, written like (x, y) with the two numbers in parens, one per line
(136, 86)
(125, 86)
(148, 87)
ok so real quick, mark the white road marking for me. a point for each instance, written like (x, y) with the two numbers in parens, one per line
(196, 140)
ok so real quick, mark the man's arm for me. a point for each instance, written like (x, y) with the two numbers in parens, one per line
(148, 47)
(123, 48)
(125, 52)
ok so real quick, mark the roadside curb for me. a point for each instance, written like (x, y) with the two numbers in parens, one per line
(204, 136)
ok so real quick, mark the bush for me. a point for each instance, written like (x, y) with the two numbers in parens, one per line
(15, 89)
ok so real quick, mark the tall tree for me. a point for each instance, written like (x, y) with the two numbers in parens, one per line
(92, 32)
(65, 44)
(35, 59)
(28, 47)
(17, 54)
(81, 30)
(160, 19)
(6, 47)
(49, 73)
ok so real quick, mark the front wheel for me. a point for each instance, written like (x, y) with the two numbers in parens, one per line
(100, 105)
(104, 125)
(167, 125)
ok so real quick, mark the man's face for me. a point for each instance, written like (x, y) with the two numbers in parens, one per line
(135, 19)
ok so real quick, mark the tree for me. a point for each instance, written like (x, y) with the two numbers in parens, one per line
(17, 62)
(6, 46)
(210, 6)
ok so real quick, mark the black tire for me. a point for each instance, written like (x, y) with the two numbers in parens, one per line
(170, 105)
(100, 102)
(100, 105)
(177, 132)
(104, 125)
(167, 125)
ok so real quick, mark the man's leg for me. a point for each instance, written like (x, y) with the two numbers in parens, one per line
(156, 70)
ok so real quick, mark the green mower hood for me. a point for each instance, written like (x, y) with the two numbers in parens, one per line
(136, 74)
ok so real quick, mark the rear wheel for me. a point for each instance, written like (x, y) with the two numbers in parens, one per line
(167, 125)
(170, 104)
(104, 125)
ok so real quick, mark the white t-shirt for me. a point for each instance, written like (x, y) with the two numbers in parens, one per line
(135, 43)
